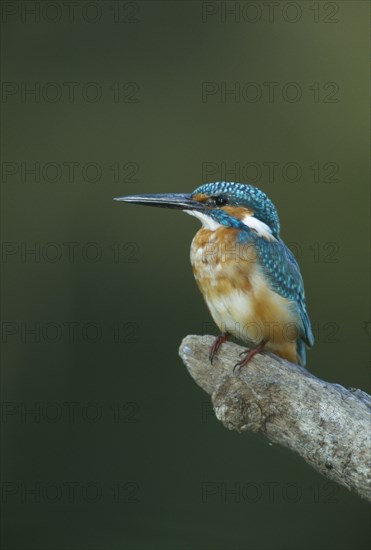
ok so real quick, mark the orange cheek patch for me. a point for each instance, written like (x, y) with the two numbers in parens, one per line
(237, 212)
(199, 197)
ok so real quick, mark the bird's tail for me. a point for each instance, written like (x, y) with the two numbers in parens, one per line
(301, 352)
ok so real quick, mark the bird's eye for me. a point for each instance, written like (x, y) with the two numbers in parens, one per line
(220, 201)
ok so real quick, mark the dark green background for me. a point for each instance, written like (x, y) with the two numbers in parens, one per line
(165, 443)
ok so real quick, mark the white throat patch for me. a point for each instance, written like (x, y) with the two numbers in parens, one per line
(206, 221)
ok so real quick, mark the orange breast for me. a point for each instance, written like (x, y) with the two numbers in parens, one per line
(237, 294)
(219, 262)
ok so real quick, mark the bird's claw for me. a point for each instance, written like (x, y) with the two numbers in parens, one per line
(219, 340)
(249, 354)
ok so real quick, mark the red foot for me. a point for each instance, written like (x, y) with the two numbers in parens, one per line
(219, 340)
(249, 355)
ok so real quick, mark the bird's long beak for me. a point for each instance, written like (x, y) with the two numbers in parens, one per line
(178, 201)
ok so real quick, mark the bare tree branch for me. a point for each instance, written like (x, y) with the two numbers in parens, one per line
(327, 424)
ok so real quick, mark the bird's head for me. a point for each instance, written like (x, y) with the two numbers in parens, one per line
(221, 203)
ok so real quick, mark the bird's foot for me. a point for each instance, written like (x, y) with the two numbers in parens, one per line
(249, 354)
(219, 340)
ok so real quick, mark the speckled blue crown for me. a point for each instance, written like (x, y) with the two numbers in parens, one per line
(245, 195)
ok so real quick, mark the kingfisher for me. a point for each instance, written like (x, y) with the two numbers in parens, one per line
(249, 279)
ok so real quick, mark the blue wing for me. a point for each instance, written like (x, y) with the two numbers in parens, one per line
(284, 277)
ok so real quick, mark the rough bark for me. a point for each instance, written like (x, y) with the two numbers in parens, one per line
(327, 424)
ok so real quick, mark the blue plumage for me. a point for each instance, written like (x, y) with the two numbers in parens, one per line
(241, 194)
(277, 262)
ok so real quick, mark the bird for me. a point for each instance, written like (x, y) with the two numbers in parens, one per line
(249, 278)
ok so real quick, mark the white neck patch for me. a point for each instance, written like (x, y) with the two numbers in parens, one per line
(262, 229)
(206, 221)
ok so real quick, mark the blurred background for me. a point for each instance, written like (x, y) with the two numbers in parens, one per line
(107, 441)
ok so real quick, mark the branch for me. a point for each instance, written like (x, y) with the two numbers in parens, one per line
(328, 425)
